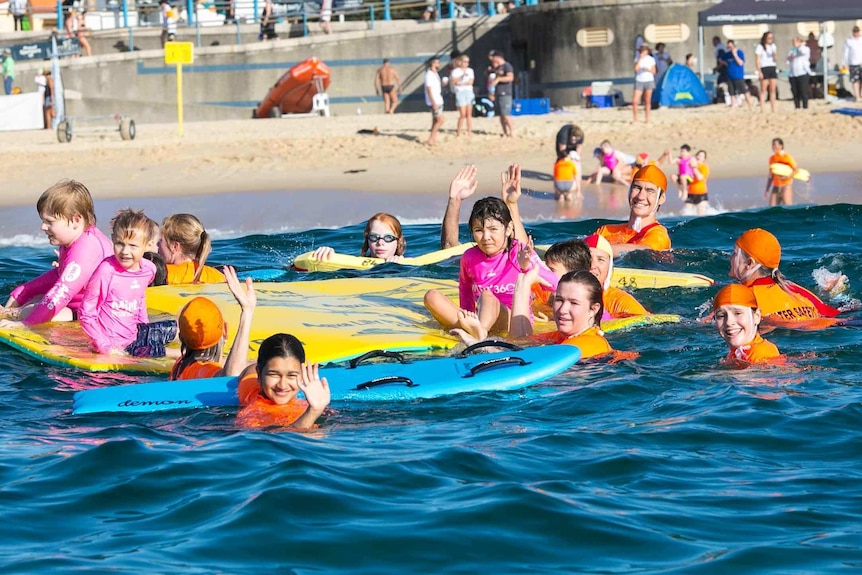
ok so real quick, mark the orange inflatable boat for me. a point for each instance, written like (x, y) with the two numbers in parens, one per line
(293, 92)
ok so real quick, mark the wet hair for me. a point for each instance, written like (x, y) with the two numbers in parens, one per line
(491, 208)
(161, 277)
(279, 345)
(594, 290)
(572, 254)
(129, 223)
(194, 240)
(778, 141)
(67, 199)
(763, 38)
(190, 356)
(685, 147)
(393, 224)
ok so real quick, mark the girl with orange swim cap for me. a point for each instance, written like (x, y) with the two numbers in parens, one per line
(754, 263)
(203, 331)
(737, 318)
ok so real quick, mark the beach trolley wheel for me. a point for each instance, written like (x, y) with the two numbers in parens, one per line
(127, 129)
(64, 132)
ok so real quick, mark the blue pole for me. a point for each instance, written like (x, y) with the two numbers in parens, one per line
(125, 14)
(371, 17)
(478, 8)
(304, 23)
(131, 39)
(238, 35)
(256, 17)
(492, 10)
(451, 9)
(198, 34)
(190, 11)
(387, 14)
(437, 7)
(59, 14)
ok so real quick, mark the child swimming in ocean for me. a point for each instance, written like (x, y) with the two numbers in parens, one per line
(737, 317)
(577, 311)
(754, 263)
(202, 333)
(616, 302)
(185, 246)
(268, 389)
(383, 238)
(489, 269)
(69, 221)
(114, 304)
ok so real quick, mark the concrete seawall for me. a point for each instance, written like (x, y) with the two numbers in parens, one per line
(228, 79)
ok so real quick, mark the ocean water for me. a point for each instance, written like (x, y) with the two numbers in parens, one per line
(668, 463)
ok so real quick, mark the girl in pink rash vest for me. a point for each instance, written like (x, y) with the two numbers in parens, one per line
(114, 301)
(69, 221)
(488, 270)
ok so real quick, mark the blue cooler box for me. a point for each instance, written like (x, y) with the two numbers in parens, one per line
(602, 101)
(531, 106)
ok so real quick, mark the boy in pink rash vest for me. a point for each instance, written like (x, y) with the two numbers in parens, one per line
(114, 301)
(69, 221)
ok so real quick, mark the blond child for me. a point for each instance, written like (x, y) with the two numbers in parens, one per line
(69, 221)
(185, 246)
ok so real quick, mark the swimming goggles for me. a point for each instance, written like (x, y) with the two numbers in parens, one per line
(374, 238)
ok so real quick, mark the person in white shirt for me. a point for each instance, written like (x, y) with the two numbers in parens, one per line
(461, 81)
(764, 61)
(645, 70)
(434, 98)
(800, 72)
(853, 60)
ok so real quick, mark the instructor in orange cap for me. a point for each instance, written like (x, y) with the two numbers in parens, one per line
(642, 232)
(754, 263)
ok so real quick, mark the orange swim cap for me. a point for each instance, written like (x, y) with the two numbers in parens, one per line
(201, 324)
(762, 246)
(600, 243)
(734, 294)
(652, 174)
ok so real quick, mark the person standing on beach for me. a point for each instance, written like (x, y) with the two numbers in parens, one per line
(504, 78)
(434, 98)
(267, 23)
(800, 72)
(663, 61)
(645, 70)
(733, 60)
(764, 59)
(387, 82)
(853, 59)
(781, 193)
(461, 82)
(8, 71)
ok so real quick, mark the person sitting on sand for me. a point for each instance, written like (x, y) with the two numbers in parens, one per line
(737, 317)
(754, 263)
(384, 239)
(647, 193)
(185, 246)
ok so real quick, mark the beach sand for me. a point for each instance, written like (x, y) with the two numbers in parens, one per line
(306, 154)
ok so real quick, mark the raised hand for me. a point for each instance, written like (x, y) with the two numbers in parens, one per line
(510, 181)
(322, 253)
(525, 253)
(316, 390)
(244, 296)
(464, 183)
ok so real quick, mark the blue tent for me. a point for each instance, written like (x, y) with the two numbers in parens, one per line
(680, 87)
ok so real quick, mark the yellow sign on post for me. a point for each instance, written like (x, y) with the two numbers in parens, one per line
(179, 53)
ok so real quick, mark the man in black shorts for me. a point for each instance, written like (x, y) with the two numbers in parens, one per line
(734, 61)
(503, 82)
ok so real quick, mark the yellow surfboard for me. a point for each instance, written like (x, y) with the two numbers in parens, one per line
(66, 345)
(784, 171)
(305, 263)
(633, 278)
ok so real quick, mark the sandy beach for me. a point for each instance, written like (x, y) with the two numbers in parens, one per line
(329, 154)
